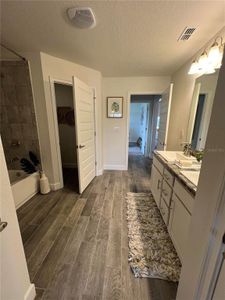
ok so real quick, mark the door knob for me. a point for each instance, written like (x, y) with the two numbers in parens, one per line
(81, 146)
(2, 225)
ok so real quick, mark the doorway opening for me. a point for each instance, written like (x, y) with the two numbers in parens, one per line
(143, 129)
(67, 135)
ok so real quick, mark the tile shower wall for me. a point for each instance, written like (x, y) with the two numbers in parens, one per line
(18, 124)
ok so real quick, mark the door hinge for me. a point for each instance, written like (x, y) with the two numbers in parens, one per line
(96, 163)
(95, 133)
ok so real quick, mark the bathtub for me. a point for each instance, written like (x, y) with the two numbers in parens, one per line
(24, 186)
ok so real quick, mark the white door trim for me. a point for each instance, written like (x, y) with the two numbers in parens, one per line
(168, 113)
(52, 81)
(95, 122)
(128, 116)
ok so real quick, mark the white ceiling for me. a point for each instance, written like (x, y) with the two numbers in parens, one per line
(132, 38)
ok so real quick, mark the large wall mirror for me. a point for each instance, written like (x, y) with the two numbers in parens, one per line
(200, 113)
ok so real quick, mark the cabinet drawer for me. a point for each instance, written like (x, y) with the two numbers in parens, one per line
(166, 192)
(184, 195)
(179, 224)
(164, 211)
(169, 177)
(159, 166)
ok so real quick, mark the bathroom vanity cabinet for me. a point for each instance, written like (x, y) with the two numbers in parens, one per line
(174, 201)
(156, 184)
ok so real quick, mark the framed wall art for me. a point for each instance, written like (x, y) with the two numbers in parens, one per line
(114, 107)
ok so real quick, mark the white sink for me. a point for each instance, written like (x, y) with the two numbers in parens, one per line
(192, 176)
(172, 156)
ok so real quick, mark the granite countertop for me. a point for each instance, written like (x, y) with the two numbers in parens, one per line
(176, 171)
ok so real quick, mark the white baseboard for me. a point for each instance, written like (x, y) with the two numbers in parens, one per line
(55, 186)
(30, 293)
(99, 172)
(115, 167)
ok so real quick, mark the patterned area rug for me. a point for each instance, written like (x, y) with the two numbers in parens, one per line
(151, 251)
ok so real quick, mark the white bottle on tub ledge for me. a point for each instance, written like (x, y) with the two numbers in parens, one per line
(44, 184)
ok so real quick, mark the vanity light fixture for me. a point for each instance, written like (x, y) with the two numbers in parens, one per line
(220, 57)
(209, 70)
(208, 62)
(203, 62)
(214, 53)
(194, 68)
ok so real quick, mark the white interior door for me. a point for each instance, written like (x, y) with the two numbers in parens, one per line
(164, 108)
(85, 132)
(14, 277)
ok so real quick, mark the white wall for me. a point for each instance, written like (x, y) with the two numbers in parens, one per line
(182, 99)
(115, 130)
(42, 67)
(67, 135)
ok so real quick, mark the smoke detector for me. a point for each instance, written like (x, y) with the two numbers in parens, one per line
(82, 17)
(186, 33)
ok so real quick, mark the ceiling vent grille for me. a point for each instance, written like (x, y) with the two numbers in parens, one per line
(186, 34)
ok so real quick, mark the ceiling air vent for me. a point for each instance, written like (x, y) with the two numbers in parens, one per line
(82, 17)
(186, 34)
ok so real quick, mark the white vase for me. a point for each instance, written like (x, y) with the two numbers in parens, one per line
(44, 184)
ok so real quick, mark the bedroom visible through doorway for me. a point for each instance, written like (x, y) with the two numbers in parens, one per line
(143, 124)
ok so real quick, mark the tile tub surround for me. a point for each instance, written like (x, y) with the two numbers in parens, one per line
(172, 168)
(17, 119)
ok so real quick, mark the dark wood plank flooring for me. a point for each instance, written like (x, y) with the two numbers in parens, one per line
(76, 245)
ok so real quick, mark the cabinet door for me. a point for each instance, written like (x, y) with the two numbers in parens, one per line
(179, 225)
(166, 192)
(156, 184)
(164, 210)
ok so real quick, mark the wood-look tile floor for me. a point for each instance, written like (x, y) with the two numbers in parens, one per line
(76, 245)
